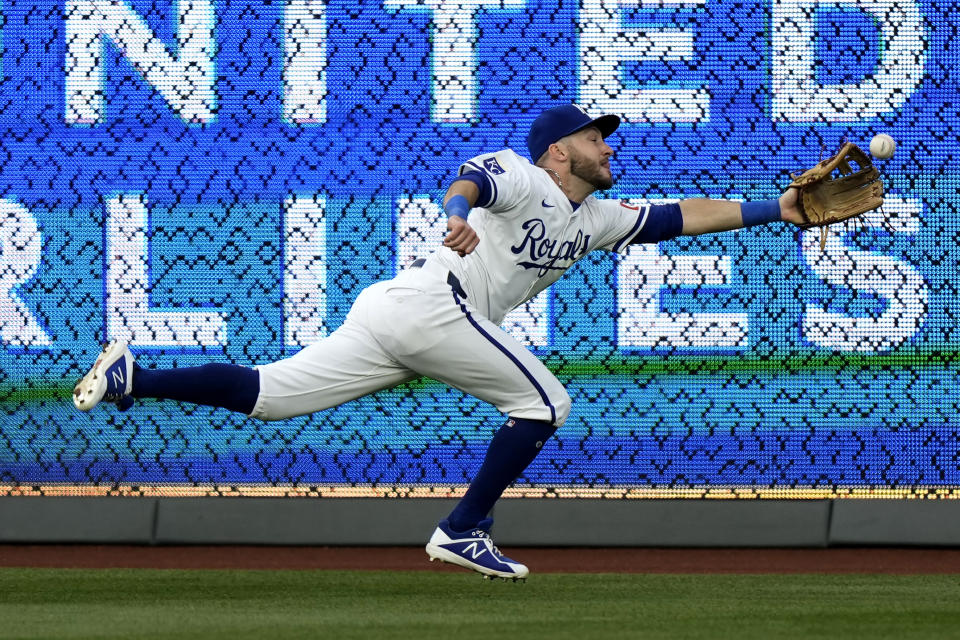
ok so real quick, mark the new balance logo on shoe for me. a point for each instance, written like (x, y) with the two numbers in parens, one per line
(476, 550)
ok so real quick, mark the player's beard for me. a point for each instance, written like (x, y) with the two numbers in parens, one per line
(590, 171)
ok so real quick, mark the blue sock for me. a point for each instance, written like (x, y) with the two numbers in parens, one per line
(228, 386)
(512, 449)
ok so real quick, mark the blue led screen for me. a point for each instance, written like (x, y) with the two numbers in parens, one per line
(216, 181)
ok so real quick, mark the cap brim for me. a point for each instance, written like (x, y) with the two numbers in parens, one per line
(606, 124)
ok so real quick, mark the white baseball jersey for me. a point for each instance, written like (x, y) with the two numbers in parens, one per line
(530, 234)
(442, 319)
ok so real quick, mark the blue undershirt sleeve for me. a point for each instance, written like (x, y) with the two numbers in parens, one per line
(664, 221)
(483, 183)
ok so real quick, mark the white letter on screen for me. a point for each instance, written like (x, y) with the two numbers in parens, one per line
(605, 44)
(185, 80)
(129, 316)
(20, 252)
(643, 272)
(797, 97)
(305, 62)
(897, 283)
(454, 53)
(305, 272)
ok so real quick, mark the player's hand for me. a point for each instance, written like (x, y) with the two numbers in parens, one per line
(460, 236)
(789, 206)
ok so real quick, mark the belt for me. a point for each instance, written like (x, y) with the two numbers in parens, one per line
(452, 280)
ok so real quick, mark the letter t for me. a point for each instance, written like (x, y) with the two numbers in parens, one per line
(454, 53)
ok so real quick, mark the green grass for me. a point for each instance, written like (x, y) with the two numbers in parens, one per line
(138, 603)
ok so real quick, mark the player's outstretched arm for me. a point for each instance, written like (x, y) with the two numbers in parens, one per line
(460, 198)
(703, 215)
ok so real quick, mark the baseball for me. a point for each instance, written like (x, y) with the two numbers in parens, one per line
(882, 146)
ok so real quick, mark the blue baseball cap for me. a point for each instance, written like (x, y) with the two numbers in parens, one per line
(558, 122)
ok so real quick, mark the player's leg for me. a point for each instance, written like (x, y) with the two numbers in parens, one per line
(463, 537)
(481, 359)
(215, 384)
(493, 366)
(345, 365)
(467, 351)
(332, 371)
(536, 405)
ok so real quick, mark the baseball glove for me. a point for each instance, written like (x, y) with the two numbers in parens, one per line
(826, 199)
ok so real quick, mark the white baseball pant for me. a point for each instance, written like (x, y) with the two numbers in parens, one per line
(397, 330)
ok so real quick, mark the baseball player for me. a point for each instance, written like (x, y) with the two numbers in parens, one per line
(514, 227)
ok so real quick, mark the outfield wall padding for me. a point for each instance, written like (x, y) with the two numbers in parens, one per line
(528, 522)
(297, 521)
(663, 523)
(77, 519)
(895, 522)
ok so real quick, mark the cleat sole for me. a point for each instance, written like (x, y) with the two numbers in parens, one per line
(91, 388)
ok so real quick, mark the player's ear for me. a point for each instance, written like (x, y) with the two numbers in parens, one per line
(558, 150)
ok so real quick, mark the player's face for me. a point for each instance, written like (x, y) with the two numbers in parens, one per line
(590, 158)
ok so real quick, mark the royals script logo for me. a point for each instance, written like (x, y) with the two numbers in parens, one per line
(545, 252)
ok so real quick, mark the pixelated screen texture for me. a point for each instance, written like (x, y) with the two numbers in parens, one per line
(217, 181)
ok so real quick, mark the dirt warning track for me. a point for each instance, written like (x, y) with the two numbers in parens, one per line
(540, 560)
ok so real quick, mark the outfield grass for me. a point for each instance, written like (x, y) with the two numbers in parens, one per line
(141, 603)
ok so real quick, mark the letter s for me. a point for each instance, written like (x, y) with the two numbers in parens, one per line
(898, 283)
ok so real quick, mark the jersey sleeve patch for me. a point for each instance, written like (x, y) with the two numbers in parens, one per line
(493, 167)
(507, 180)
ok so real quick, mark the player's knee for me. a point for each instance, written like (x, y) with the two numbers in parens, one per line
(267, 411)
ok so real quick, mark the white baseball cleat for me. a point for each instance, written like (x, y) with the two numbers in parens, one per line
(110, 379)
(473, 550)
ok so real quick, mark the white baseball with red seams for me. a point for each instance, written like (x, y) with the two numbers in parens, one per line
(419, 323)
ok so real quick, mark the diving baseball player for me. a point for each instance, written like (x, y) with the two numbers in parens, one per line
(514, 227)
